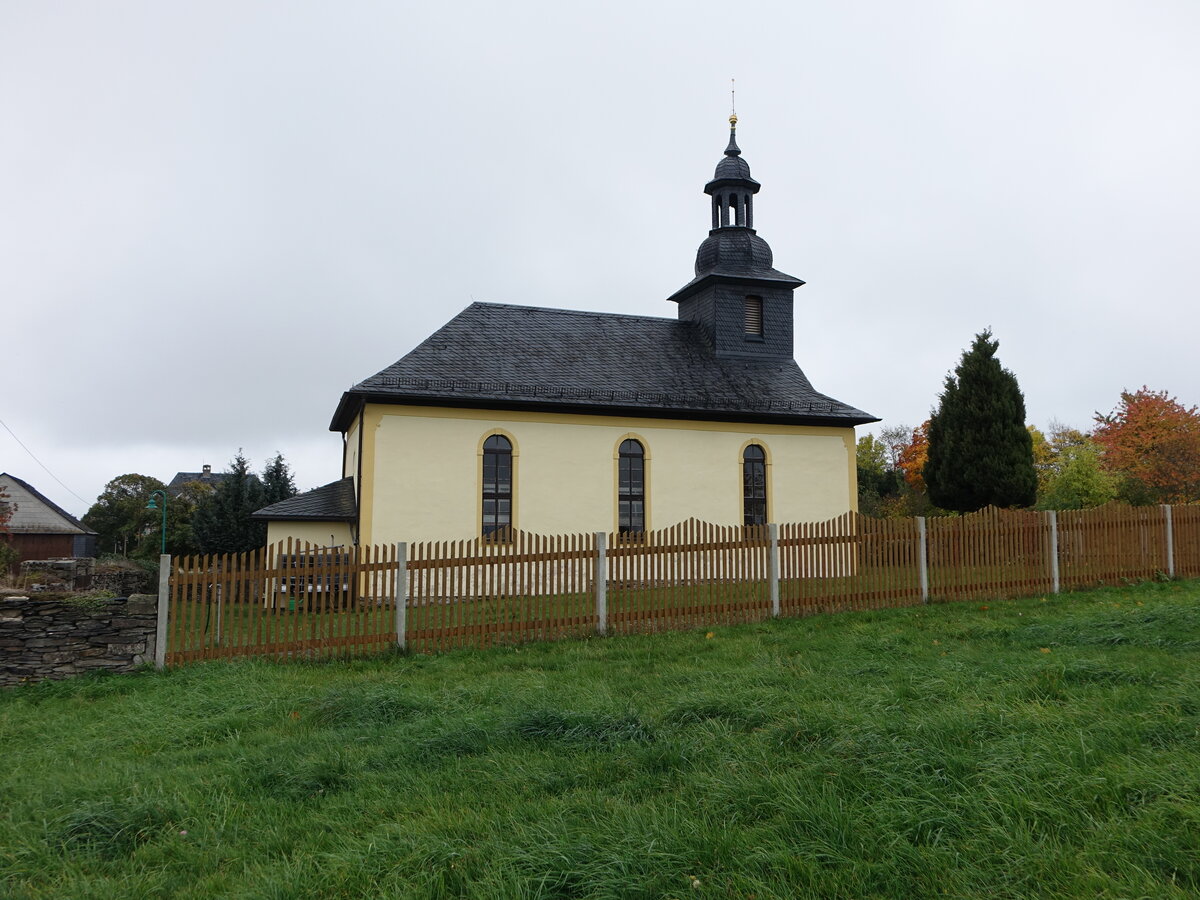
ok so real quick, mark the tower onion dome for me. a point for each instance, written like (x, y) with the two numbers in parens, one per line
(732, 246)
(732, 167)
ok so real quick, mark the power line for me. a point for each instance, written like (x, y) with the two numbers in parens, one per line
(40, 463)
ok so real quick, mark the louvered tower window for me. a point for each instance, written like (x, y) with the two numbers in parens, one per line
(754, 316)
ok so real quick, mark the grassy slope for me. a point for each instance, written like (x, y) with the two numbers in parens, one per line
(1033, 748)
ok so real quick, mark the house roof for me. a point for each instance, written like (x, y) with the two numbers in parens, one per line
(494, 355)
(210, 477)
(333, 502)
(36, 513)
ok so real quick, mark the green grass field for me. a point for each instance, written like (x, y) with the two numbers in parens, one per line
(1022, 748)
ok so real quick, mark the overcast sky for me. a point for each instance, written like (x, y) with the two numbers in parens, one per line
(215, 217)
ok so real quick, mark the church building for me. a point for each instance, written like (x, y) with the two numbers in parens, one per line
(554, 421)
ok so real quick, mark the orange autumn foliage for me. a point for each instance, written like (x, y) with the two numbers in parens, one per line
(912, 457)
(1153, 441)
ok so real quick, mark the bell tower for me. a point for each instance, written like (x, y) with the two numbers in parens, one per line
(741, 302)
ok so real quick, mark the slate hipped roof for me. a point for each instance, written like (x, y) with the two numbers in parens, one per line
(498, 356)
(208, 477)
(333, 502)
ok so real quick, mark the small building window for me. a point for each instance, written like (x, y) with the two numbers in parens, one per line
(631, 488)
(754, 317)
(754, 485)
(497, 485)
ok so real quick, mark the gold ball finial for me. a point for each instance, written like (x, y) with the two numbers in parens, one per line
(733, 121)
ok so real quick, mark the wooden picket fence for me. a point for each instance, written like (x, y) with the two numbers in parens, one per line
(290, 599)
(514, 588)
(852, 562)
(297, 600)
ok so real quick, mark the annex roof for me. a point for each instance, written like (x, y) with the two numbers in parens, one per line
(35, 513)
(501, 356)
(333, 502)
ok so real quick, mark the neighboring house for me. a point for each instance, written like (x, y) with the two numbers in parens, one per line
(554, 421)
(207, 477)
(40, 528)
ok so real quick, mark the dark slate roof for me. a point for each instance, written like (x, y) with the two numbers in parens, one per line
(333, 502)
(498, 356)
(182, 478)
(732, 167)
(735, 254)
(73, 524)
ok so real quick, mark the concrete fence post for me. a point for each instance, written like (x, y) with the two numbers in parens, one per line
(1054, 572)
(773, 568)
(601, 581)
(1170, 523)
(164, 604)
(400, 595)
(923, 559)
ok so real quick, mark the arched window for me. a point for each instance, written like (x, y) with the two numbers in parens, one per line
(754, 485)
(631, 488)
(497, 484)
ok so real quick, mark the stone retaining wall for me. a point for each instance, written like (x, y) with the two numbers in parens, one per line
(69, 573)
(42, 639)
(124, 584)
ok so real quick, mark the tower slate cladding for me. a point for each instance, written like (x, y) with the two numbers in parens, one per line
(742, 304)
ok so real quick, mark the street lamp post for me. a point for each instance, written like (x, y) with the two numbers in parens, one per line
(153, 505)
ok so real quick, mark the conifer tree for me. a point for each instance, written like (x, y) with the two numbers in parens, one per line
(980, 452)
(277, 480)
(222, 523)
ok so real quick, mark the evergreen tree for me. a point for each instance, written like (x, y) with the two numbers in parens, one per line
(278, 483)
(180, 512)
(222, 523)
(980, 452)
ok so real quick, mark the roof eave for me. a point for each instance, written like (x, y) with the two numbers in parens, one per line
(598, 409)
(717, 183)
(299, 518)
(703, 281)
(347, 409)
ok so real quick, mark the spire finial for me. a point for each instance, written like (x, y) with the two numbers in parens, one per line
(732, 149)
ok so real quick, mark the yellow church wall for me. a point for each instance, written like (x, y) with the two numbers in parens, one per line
(424, 464)
(323, 534)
